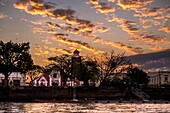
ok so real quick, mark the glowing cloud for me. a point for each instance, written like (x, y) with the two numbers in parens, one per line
(165, 28)
(50, 31)
(144, 36)
(103, 29)
(103, 8)
(51, 25)
(133, 4)
(118, 45)
(38, 30)
(46, 42)
(63, 14)
(2, 16)
(35, 7)
(81, 44)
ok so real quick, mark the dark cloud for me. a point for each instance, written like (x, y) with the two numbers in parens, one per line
(101, 6)
(129, 26)
(50, 24)
(63, 13)
(51, 31)
(148, 37)
(151, 61)
(61, 34)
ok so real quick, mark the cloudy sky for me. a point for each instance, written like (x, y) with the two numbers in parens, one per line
(54, 27)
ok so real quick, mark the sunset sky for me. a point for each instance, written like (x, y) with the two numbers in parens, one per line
(92, 26)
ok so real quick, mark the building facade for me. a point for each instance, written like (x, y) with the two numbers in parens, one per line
(15, 78)
(159, 78)
(54, 78)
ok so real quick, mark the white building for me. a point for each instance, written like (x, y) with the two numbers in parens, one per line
(159, 78)
(14, 76)
(48, 80)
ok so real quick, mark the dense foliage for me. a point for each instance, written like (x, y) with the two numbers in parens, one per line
(14, 57)
(137, 76)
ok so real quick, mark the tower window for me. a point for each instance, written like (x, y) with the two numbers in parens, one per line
(55, 75)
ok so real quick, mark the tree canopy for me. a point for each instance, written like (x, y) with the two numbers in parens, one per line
(137, 76)
(14, 57)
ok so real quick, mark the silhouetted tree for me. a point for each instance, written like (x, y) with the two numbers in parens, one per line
(14, 57)
(137, 76)
(111, 65)
(90, 71)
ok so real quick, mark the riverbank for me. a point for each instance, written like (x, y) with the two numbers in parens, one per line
(61, 93)
(35, 94)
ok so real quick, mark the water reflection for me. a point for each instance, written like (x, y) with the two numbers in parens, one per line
(83, 108)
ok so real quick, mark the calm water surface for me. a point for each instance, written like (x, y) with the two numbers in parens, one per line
(12, 107)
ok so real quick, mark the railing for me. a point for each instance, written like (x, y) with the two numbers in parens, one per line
(140, 94)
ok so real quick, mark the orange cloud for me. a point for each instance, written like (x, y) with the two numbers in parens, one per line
(149, 21)
(36, 23)
(51, 25)
(156, 48)
(79, 43)
(60, 35)
(144, 36)
(63, 51)
(62, 14)
(111, 0)
(128, 26)
(21, 4)
(38, 30)
(46, 42)
(35, 7)
(165, 29)
(80, 27)
(133, 4)
(95, 2)
(2, 16)
(50, 31)
(118, 45)
(102, 7)
(103, 29)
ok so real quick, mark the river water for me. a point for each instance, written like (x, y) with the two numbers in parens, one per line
(12, 107)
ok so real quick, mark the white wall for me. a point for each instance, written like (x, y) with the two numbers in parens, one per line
(15, 76)
(159, 78)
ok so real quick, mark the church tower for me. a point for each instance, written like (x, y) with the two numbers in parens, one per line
(76, 65)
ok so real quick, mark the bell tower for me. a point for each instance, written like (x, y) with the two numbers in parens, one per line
(76, 65)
